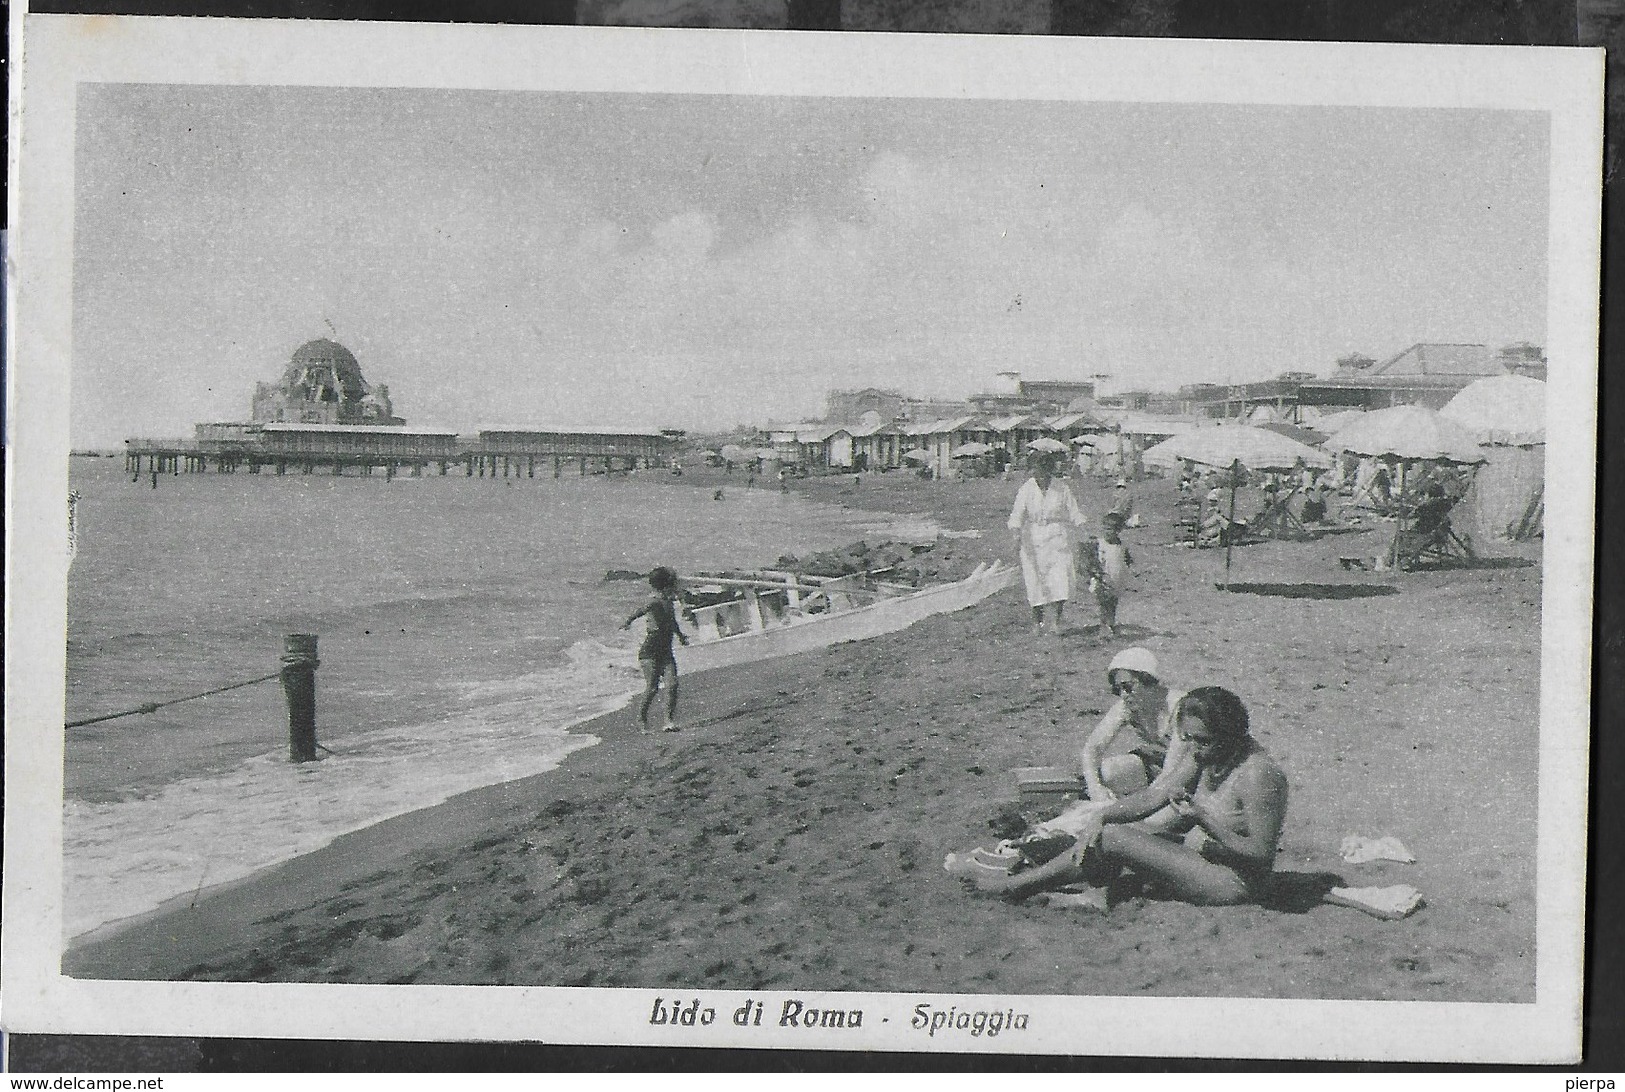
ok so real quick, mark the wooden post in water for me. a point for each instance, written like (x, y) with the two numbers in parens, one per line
(299, 686)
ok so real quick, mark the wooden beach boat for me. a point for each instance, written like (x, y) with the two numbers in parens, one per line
(771, 613)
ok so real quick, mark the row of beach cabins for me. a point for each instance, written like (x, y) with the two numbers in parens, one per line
(970, 444)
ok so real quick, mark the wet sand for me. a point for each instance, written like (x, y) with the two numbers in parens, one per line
(793, 834)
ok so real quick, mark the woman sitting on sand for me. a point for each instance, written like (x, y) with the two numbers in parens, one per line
(1145, 707)
(1224, 818)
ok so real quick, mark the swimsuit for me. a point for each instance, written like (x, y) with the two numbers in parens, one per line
(656, 647)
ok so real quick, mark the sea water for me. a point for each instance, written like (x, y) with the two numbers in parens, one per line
(464, 625)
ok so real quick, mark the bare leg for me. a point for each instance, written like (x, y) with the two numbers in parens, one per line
(651, 687)
(1046, 877)
(670, 677)
(1186, 874)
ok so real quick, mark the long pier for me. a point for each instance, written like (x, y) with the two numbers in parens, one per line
(365, 450)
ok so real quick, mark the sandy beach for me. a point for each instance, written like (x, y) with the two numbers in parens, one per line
(793, 834)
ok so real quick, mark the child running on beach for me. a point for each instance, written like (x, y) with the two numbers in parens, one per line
(655, 655)
(1106, 559)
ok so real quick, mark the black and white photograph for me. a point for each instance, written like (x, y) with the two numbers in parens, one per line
(738, 539)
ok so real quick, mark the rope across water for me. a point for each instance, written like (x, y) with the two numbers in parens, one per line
(153, 707)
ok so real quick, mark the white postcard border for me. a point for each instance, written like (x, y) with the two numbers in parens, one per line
(60, 51)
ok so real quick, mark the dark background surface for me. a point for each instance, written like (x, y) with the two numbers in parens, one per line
(1509, 22)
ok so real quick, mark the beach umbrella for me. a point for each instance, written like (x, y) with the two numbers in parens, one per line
(1501, 409)
(971, 451)
(1086, 441)
(1047, 444)
(1253, 448)
(1408, 433)
(1238, 448)
(735, 454)
(918, 455)
(1310, 436)
(1332, 422)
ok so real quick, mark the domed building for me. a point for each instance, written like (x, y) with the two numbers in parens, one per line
(323, 385)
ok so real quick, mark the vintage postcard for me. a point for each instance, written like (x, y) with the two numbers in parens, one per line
(809, 541)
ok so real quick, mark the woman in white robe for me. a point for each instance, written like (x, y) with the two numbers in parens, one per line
(1045, 517)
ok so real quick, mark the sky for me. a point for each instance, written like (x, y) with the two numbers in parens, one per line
(700, 261)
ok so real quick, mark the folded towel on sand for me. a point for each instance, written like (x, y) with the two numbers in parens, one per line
(1358, 849)
(1389, 903)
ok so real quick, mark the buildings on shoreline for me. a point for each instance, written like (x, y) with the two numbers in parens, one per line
(324, 414)
(876, 428)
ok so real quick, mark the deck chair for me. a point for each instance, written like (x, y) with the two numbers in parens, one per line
(1277, 520)
(1188, 521)
(1427, 538)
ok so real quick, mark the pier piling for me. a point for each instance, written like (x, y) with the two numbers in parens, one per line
(299, 686)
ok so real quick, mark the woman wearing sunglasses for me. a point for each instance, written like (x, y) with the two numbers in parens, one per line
(1144, 710)
(1225, 814)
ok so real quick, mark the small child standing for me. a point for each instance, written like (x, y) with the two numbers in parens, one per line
(1107, 560)
(655, 654)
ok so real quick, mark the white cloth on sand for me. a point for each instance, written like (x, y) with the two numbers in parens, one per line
(1388, 903)
(1047, 520)
(1358, 849)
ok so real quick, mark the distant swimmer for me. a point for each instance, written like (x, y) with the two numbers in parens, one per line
(717, 495)
(655, 655)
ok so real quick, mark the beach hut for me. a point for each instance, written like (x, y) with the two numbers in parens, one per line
(1507, 415)
(876, 445)
(838, 449)
(1069, 426)
(951, 433)
(1015, 431)
(786, 443)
